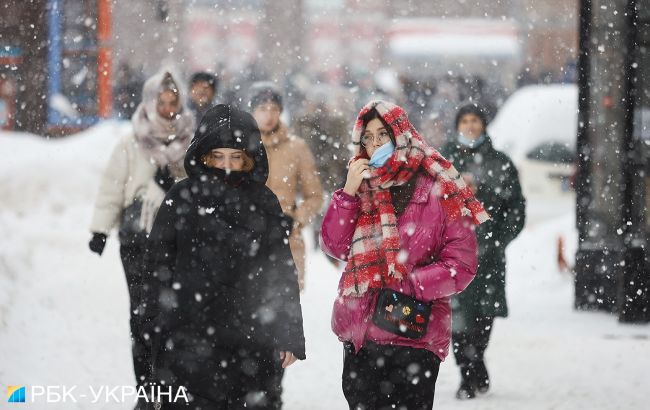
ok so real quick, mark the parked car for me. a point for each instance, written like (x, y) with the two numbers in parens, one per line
(537, 127)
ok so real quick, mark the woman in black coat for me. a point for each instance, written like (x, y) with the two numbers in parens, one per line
(221, 303)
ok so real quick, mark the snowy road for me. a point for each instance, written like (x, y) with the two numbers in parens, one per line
(64, 311)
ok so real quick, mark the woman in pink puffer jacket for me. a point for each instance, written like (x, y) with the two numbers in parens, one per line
(405, 221)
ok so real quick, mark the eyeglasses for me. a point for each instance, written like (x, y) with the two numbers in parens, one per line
(382, 138)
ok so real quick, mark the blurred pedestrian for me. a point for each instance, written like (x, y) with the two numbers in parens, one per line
(292, 168)
(128, 91)
(203, 89)
(143, 166)
(221, 301)
(494, 179)
(404, 224)
(433, 130)
(327, 135)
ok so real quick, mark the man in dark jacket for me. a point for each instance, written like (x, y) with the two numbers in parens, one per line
(325, 132)
(494, 178)
(221, 302)
(203, 89)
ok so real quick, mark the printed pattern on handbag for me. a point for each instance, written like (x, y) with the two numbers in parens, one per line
(401, 314)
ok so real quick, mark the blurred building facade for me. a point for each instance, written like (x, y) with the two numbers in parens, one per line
(58, 64)
(57, 57)
(148, 34)
(23, 64)
(548, 28)
(51, 59)
(335, 38)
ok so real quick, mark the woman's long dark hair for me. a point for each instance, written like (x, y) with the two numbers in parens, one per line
(374, 114)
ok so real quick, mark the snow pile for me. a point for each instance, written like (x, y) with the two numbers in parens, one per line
(64, 311)
(55, 174)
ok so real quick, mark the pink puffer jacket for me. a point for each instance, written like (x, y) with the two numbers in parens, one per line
(442, 259)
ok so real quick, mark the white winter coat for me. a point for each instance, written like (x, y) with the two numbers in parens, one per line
(129, 174)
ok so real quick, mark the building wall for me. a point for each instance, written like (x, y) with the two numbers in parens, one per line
(148, 34)
(549, 28)
(450, 8)
(552, 33)
(24, 24)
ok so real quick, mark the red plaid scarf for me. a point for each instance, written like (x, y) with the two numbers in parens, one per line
(375, 257)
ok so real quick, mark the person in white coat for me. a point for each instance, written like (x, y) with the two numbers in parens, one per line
(143, 166)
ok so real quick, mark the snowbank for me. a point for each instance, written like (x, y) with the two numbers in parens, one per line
(56, 173)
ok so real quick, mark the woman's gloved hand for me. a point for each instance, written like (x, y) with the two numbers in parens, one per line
(97, 243)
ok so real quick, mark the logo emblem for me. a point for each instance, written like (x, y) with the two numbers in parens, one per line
(419, 319)
(406, 310)
(389, 308)
(16, 394)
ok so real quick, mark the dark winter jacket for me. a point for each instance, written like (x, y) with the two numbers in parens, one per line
(325, 134)
(498, 189)
(219, 272)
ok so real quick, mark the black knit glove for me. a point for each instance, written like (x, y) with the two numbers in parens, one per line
(164, 179)
(97, 243)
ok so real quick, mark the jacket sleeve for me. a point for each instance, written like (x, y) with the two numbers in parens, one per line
(110, 198)
(338, 225)
(282, 296)
(455, 266)
(513, 213)
(310, 186)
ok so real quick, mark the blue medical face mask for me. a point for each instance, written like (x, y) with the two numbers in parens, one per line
(381, 155)
(469, 142)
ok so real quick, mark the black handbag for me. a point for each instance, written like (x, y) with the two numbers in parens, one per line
(130, 230)
(401, 314)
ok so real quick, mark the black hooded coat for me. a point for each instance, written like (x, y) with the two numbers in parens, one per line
(220, 279)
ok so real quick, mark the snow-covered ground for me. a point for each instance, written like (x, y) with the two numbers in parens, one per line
(64, 311)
